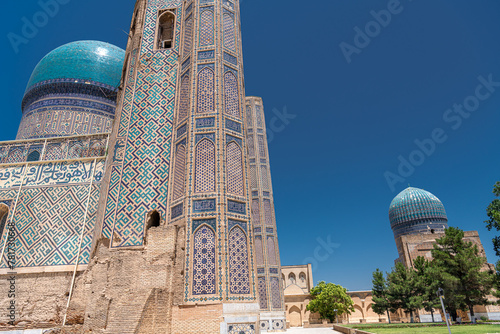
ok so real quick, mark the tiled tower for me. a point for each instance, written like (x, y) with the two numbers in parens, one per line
(209, 194)
(178, 153)
(271, 297)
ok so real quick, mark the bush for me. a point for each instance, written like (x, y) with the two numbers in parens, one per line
(483, 318)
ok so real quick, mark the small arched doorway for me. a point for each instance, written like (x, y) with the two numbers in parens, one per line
(295, 317)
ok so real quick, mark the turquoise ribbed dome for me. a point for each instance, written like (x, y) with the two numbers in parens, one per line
(413, 210)
(85, 60)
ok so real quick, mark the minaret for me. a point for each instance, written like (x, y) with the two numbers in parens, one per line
(273, 317)
(178, 157)
(209, 192)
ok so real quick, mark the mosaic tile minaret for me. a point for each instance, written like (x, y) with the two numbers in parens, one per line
(179, 151)
(263, 218)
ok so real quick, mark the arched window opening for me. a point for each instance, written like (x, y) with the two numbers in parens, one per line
(166, 24)
(302, 278)
(291, 278)
(34, 156)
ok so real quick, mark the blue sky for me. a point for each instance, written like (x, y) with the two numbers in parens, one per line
(352, 121)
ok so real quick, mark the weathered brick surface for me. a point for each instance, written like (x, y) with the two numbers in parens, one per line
(196, 319)
(40, 298)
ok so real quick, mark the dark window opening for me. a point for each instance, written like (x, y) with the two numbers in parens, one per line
(166, 23)
(34, 156)
(433, 231)
(154, 220)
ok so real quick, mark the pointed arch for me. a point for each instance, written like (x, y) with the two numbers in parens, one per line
(207, 27)
(166, 25)
(188, 35)
(271, 252)
(206, 90)
(204, 180)
(184, 98)
(234, 169)
(229, 31)
(180, 172)
(256, 211)
(262, 293)
(239, 281)
(268, 212)
(231, 94)
(204, 261)
(259, 254)
(33, 156)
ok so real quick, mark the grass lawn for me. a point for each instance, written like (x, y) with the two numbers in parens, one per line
(455, 329)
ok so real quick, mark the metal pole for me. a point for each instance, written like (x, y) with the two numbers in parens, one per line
(445, 316)
(84, 223)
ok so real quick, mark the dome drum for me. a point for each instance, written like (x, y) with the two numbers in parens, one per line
(416, 211)
(72, 91)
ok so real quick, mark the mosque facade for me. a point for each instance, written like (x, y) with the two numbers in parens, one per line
(137, 197)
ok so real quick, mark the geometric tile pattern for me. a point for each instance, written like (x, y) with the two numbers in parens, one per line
(262, 146)
(53, 149)
(206, 90)
(51, 209)
(262, 293)
(271, 252)
(216, 174)
(264, 177)
(204, 261)
(253, 173)
(188, 35)
(207, 27)
(234, 167)
(140, 169)
(266, 236)
(64, 119)
(268, 213)
(205, 167)
(259, 117)
(259, 251)
(241, 329)
(184, 98)
(180, 172)
(276, 293)
(255, 212)
(229, 34)
(250, 146)
(238, 262)
(231, 94)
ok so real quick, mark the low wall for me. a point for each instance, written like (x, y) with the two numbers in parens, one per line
(347, 330)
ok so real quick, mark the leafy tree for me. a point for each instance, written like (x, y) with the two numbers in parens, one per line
(493, 212)
(327, 297)
(381, 303)
(459, 268)
(403, 290)
(427, 284)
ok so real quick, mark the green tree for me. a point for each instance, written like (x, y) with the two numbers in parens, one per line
(427, 284)
(493, 212)
(327, 297)
(461, 272)
(403, 290)
(381, 303)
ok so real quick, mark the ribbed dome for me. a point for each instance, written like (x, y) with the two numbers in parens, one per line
(85, 60)
(415, 210)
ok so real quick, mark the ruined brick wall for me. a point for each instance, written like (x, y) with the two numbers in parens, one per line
(132, 290)
(40, 298)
